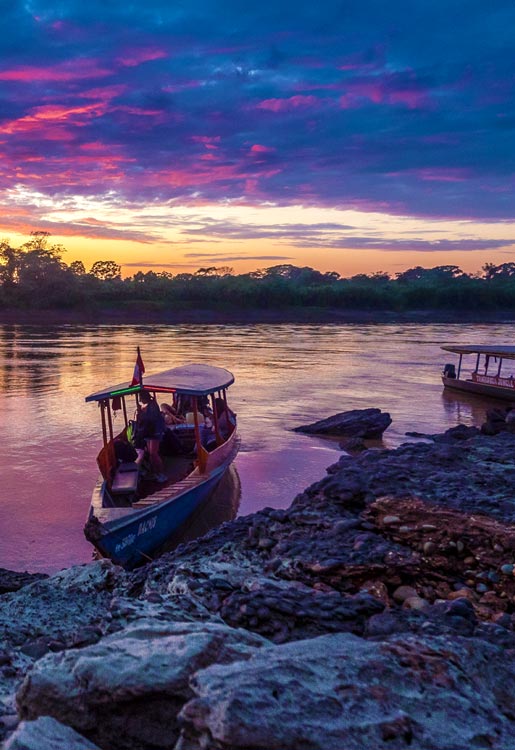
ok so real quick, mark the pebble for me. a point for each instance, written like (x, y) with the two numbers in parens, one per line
(463, 593)
(266, 543)
(414, 602)
(481, 588)
(429, 548)
(460, 546)
(428, 527)
(507, 569)
(404, 592)
(391, 520)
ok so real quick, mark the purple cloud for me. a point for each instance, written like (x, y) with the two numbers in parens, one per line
(366, 106)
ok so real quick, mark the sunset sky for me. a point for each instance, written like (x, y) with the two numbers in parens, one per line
(343, 135)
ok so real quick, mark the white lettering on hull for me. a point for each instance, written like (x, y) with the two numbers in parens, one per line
(143, 528)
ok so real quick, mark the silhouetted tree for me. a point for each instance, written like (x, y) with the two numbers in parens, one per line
(106, 270)
(504, 271)
(77, 267)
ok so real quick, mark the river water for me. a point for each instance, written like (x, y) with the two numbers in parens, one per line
(286, 375)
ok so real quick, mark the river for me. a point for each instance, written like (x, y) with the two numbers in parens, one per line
(286, 375)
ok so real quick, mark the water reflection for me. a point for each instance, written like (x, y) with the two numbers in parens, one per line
(286, 375)
(466, 408)
(222, 506)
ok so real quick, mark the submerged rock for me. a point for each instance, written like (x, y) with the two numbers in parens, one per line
(357, 423)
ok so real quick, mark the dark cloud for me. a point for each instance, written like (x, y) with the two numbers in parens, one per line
(337, 236)
(201, 257)
(402, 107)
(229, 258)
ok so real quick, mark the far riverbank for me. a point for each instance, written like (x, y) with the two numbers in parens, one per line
(147, 314)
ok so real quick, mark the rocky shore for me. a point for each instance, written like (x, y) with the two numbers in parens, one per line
(376, 612)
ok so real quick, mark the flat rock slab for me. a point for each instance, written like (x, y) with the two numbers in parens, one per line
(340, 691)
(47, 734)
(122, 691)
(360, 423)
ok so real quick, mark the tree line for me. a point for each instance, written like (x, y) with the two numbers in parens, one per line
(34, 276)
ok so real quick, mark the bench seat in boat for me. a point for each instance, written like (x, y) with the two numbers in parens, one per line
(125, 479)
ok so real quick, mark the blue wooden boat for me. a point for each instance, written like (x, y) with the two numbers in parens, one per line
(132, 515)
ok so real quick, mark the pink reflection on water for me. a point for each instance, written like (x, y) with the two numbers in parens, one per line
(286, 375)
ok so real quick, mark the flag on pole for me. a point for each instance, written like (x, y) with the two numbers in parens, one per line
(139, 369)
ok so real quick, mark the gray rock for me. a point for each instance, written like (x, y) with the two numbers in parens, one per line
(11, 580)
(341, 691)
(47, 734)
(361, 423)
(122, 691)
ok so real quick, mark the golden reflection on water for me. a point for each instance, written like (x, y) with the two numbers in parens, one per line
(286, 375)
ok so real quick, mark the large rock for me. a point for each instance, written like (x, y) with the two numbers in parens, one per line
(340, 691)
(68, 609)
(125, 692)
(363, 423)
(47, 734)
(11, 580)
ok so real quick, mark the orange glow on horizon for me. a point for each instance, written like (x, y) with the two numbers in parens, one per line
(183, 238)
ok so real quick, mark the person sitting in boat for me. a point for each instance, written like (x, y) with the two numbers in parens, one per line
(170, 415)
(226, 417)
(190, 417)
(150, 427)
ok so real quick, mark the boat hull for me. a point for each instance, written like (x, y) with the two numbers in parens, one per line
(482, 389)
(132, 540)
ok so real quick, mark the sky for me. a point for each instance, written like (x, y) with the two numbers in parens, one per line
(169, 135)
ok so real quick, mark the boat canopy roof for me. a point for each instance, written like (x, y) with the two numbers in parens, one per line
(190, 380)
(504, 352)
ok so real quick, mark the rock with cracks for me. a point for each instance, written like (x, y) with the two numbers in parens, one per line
(127, 690)
(358, 423)
(47, 734)
(341, 691)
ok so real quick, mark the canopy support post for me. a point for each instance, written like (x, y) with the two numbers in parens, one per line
(200, 448)
(103, 415)
(109, 420)
(459, 366)
(219, 439)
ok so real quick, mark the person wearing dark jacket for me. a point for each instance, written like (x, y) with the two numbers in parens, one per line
(150, 427)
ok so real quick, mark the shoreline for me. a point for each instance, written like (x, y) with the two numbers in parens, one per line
(398, 562)
(291, 315)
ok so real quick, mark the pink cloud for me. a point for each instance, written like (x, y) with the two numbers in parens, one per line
(382, 91)
(139, 56)
(292, 103)
(104, 93)
(257, 148)
(44, 119)
(209, 141)
(76, 70)
(445, 174)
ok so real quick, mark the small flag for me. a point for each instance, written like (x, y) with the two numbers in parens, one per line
(139, 369)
